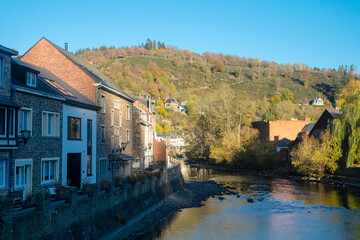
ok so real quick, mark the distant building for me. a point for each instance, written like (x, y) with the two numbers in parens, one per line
(277, 130)
(172, 103)
(144, 130)
(317, 102)
(325, 119)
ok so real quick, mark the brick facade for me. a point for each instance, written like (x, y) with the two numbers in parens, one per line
(44, 54)
(277, 130)
(114, 130)
(48, 55)
(38, 147)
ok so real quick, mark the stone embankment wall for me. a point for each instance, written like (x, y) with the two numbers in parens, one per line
(86, 216)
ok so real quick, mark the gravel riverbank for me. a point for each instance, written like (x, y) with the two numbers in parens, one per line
(192, 195)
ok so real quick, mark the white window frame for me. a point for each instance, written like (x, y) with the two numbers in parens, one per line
(31, 79)
(112, 117)
(13, 123)
(120, 119)
(1, 72)
(128, 113)
(102, 126)
(29, 123)
(5, 122)
(55, 131)
(22, 162)
(56, 172)
(117, 104)
(4, 172)
(103, 103)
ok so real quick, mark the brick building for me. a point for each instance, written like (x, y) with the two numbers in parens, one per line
(277, 130)
(114, 124)
(144, 131)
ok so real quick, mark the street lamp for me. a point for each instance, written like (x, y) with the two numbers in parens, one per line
(25, 135)
(123, 146)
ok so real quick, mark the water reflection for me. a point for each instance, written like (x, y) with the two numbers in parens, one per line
(283, 209)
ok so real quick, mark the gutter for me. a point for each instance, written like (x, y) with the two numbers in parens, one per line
(25, 90)
(99, 85)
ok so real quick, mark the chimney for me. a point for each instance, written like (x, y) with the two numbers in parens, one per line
(66, 46)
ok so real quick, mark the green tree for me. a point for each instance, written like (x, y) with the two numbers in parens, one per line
(163, 112)
(159, 103)
(313, 158)
(347, 128)
(286, 94)
(159, 129)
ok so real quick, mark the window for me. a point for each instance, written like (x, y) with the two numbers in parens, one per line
(89, 147)
(3, 120)
(11, 122)
(117, 104)
(120, 119)
(23, 174)
(50, 124)
(103, 103)
(112, 117)
(74, 128)
(1, 72)
(102, 134)
(112, 144)
(103, 169)
(128, 112)
(25, 119)
(4, 156)
(127, 135)
(49, 170)
(31, 79)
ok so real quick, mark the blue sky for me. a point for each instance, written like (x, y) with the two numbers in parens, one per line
(317, 33)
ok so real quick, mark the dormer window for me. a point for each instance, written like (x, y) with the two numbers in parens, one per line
(31, 79)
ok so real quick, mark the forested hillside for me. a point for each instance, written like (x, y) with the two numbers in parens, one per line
(275, 90)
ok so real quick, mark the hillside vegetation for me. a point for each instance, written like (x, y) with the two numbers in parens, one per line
(274, 90)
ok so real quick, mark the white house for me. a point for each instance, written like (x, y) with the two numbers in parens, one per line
(317, 102)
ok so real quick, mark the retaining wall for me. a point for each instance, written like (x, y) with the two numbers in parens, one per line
(85, 216)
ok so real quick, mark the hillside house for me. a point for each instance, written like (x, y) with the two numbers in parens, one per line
(317, 102)
(114, 123)
(172, 103)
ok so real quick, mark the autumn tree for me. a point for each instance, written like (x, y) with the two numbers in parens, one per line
(347, 128)
(286, 94)
(313, 157)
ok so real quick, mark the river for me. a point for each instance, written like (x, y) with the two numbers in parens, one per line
(282, 209)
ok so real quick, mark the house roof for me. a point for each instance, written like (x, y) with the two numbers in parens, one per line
(284, 143)
(8, 50)
(336, 113)
(171, 100)
(307, 128)
(54, 85)
(92, 71)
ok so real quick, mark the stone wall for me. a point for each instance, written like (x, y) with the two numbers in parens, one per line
(38, 147)
(86, 216)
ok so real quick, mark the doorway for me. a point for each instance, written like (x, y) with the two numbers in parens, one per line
(74, 169)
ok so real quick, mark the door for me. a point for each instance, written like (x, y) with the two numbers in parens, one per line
(74, 169)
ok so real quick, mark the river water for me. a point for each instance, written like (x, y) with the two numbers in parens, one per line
(282, 209)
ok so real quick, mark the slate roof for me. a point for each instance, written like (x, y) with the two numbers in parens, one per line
(283, 143)
(336, 113)
(92, 71)
(8, 50)
(52, 84)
